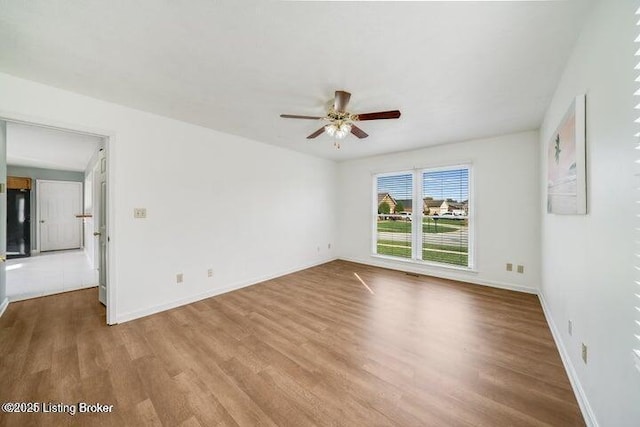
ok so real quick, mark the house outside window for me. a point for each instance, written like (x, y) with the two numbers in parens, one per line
(436, 233)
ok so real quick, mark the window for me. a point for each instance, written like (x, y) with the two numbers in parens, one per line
(636, 297)
(424, 215)
(445, 228)
(393, 228)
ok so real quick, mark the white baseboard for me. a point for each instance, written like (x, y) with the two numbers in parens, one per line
(132, 315)
(442, 274)
(583, 402)
(4, 306)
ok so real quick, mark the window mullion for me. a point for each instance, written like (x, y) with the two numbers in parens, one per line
(416, 217)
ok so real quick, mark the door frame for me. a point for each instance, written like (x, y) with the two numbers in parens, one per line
(109, 138)
(38, 224)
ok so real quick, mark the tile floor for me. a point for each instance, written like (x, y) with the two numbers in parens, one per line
(49, 273)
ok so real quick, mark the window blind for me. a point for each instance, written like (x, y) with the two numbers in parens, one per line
(424, 215)
(445, 224)
(393, 219)
(636, 296)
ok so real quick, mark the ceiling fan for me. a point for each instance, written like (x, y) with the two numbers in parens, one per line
(341, 122)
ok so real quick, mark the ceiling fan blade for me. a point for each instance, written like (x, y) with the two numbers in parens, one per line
(316, 133)
(358, 132)
(394, 114)
(295, 116)
(341, 101)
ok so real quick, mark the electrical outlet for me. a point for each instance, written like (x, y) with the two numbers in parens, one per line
(179, 278)
(210, 272)
(318, 248)
(509, 266)
(521, 269)
(329, 246)
(584, 353)
(140, 212)
(570, 327)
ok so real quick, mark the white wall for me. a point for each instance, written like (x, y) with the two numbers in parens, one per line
(246, 209)
(587, 261)
(505, 197)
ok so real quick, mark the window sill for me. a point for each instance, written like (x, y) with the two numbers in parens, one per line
(426, 263)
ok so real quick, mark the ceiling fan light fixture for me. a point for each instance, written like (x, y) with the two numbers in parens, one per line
(341, 122)
(343, 130)
(338, 130)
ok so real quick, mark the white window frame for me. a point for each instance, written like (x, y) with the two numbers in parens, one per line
(374, 218)
(417, 216)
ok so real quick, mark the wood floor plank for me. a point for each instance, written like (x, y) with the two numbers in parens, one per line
(145, 415)
(310, 348)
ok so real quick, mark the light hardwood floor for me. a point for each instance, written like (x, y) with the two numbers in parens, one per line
(312, 348)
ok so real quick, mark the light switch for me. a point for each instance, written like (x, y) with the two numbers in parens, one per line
(140, 212)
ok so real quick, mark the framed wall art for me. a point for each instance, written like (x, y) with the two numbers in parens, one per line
(566, 163)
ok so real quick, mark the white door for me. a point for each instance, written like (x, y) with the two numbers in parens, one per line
(58, 204)
(101, 223)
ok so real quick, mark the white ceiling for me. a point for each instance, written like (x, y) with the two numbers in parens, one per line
(456, 70)
(41, 147)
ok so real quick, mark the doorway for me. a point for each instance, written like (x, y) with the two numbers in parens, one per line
(70, 225)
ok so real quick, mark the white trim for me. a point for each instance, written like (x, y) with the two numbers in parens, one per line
(28, 119)
(109, 155)
(394, 173)
(4, 306)
(587, 412)
(136, 314)
(419, 268)
(431, 166)
(426, 263)
(417, 194)
(416, 218)
(471, 219)
(373, 220)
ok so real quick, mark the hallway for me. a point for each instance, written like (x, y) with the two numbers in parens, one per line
(49, 273)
